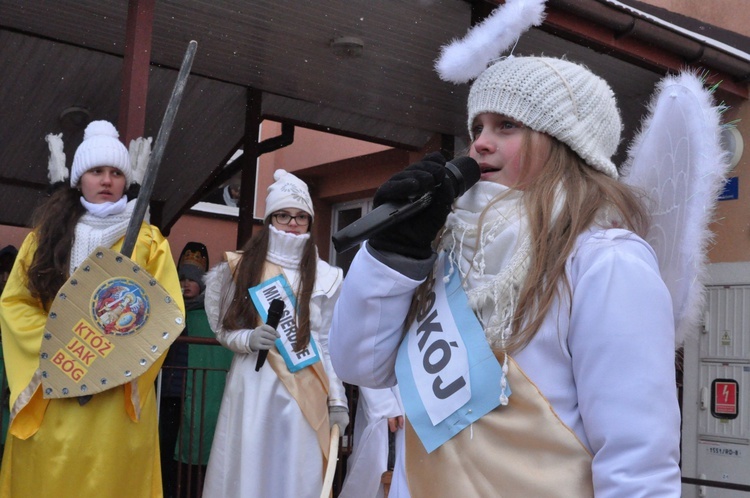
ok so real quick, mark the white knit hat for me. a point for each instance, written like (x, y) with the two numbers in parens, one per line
(556, 97)
(101, 147)
(288, 191)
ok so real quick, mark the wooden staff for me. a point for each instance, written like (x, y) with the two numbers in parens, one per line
(333, 454)
(154, 161)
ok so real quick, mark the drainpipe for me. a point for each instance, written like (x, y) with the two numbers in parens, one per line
(660, 43)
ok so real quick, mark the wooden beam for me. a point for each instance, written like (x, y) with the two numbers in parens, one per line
(138, 34)
(250, 153)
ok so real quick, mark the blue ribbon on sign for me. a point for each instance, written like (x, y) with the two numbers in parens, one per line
(278, 288)
(485, 372)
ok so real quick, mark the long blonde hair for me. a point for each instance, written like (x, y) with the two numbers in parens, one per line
(562, 201)
(589, 197)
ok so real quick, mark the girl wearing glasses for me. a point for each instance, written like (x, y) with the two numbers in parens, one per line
(274, 424)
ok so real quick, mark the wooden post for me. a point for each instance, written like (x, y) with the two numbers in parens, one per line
(140, 24)
(251, 151)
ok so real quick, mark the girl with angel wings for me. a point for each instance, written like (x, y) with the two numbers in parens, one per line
(549, 252)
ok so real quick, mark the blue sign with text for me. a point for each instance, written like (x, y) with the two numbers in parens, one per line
(731, 189)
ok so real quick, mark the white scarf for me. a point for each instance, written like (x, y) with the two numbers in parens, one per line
(492, 258)
(285, 249)
(93, 231)
(104, 209)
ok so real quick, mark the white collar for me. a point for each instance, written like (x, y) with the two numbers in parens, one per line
(285, 249)
(104, 209)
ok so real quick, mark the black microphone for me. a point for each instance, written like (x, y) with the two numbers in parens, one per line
(275, 311)
(462, 172)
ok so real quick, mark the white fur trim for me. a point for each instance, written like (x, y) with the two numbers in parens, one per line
(465, 59)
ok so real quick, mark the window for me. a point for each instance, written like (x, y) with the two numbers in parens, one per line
(344, 214)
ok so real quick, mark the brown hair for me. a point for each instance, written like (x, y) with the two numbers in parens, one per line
(54, 228)
(241, 312)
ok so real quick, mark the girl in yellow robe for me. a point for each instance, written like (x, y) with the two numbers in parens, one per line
(108, 446)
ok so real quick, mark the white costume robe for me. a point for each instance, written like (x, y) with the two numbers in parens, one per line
(263, 446)
(369, 458)
(605, 364)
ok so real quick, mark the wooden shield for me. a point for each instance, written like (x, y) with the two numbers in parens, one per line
(108, 324)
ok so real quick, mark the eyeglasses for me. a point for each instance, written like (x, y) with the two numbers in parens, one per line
(302, 219)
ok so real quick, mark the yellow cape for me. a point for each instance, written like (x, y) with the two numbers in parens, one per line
(108, 447)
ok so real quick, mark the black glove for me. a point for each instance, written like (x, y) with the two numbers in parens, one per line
(413, 236)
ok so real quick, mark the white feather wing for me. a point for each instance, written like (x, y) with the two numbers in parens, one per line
(56, 169)
(677, 160)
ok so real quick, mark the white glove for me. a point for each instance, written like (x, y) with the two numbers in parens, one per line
(338, 415)
(262, 338)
